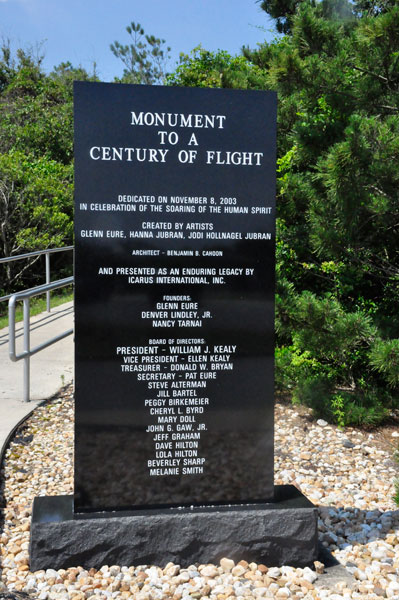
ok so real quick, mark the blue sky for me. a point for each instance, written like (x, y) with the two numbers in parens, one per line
(81, 30)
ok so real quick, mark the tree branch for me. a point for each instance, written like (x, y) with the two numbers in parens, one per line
(367, 72)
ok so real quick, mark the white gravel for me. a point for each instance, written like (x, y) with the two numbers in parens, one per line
(349, 474)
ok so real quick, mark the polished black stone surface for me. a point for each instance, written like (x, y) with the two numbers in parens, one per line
(188, 421)
(56, 509)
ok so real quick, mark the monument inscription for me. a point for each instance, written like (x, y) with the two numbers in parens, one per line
(174, 301)
(174, 306)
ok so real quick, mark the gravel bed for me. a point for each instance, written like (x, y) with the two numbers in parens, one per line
(348, 474)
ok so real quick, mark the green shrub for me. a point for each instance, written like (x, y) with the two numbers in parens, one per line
(384, 357)
(367, 408)
(396, 495)
(336, 363)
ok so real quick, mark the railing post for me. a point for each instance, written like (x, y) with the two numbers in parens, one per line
(11, 327)
(26, 349)
(48, 279)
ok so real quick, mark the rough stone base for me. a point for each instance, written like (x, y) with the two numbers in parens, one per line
(277, 533)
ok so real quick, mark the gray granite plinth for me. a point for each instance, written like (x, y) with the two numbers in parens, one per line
(276, 533)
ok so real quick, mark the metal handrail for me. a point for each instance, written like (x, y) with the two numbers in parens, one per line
(47, 253)
(35, 253)
(25, 296)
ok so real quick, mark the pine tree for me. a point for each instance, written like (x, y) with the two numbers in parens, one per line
(145, 57)
(336, 73)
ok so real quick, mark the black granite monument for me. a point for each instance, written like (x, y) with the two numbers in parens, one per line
(174, 304)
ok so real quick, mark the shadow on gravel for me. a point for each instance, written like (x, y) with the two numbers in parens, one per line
(342, 527)
(14, 596)
(334, 571)
(20, 437)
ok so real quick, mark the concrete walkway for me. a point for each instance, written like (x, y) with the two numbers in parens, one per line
(50, 369)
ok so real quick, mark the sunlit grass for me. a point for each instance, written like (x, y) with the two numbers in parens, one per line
(37, 305)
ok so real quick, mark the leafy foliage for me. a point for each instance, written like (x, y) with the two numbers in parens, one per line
(336, 73)
(36, 179)
(337, 78)
(384, 357)
(202, 68)
(396, 495)
(36, 148)
(281, 10)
